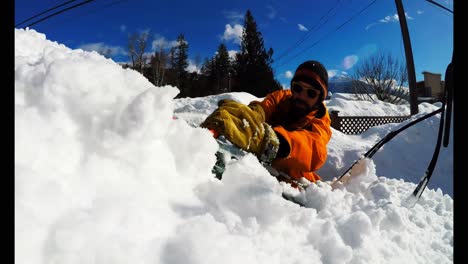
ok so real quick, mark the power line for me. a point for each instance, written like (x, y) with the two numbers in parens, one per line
(336, 29)
(439, 5)
(307, 35)
(91, 10)
(61, 11)
(46, 11)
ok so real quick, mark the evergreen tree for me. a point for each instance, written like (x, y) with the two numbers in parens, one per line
(172, 61)
(208, 73)
(207, 68)
(252, 66)
(181, 63)
(171, 78)
(222, 67)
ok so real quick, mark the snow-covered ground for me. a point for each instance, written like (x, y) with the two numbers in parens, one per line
(105, 174)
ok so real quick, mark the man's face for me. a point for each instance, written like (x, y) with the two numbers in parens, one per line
(304, 98)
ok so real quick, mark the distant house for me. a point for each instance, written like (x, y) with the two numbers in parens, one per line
(431, 89)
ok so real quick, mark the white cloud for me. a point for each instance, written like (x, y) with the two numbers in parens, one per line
(163, 42)
(389, 19)
(288, 74)
(232, 54)
(233, 33)
(302, 27)
(419, 12)
(393, 18)
(333, 73)
(103, 49)
(370, 25)
(192, 67)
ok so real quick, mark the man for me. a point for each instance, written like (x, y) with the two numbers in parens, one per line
(289, 128)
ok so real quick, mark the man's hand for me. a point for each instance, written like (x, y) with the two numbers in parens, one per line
(245, 127)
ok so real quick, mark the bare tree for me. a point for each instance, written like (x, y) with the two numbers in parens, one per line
(381, 77)
(136, 48)
(158, 64)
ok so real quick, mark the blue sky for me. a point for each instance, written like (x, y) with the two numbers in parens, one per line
(293, 28)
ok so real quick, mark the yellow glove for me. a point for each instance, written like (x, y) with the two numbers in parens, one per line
(245, 127)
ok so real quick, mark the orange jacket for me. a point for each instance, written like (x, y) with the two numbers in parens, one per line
(307, 137)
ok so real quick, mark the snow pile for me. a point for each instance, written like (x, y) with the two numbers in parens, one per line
(104, 174)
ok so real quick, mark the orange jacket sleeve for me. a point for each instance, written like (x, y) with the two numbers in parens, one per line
(308, 148)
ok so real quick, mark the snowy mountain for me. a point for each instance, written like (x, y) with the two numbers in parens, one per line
(340, 84)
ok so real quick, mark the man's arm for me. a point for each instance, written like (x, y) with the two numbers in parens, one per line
(308, 147)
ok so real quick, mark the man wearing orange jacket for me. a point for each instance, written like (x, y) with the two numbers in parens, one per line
(289, 128)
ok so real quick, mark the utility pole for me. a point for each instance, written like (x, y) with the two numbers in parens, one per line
(409, 58)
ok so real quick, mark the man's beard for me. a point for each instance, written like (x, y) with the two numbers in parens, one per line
(300, 109)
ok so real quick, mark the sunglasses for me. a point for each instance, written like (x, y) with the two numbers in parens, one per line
(297, 88)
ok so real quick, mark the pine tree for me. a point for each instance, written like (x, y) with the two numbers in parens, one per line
(252, 66)
(172, 61)
(207, 68)
(181, 63)
(208, 71)
(223, 67)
